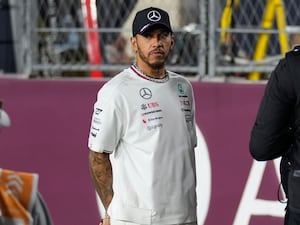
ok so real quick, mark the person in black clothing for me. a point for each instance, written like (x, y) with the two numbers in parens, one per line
(276, 131)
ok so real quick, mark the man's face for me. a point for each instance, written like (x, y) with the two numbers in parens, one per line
(153, 47)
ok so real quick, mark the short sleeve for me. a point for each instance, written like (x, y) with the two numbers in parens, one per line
(106, 126)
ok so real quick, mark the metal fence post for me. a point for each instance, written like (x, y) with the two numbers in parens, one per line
(27, 40)
(212, 37)
(202, 38)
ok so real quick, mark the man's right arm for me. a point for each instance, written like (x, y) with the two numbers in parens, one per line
(271, 135)
(101, 173)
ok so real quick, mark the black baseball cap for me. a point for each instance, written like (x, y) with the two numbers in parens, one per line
(147, 18)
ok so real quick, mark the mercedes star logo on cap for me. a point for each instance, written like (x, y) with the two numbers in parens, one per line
(154, 16)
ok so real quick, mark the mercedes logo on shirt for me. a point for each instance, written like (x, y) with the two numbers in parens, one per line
(145, 93)
(154, 16)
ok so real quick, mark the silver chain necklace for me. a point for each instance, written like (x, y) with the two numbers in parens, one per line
(147, 77)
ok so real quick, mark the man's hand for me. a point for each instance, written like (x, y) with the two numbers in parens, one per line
(105, 221)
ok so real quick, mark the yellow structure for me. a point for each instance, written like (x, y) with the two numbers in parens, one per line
(226, 19)
(274, 9)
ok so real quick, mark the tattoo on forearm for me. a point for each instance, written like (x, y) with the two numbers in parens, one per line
(101, 172)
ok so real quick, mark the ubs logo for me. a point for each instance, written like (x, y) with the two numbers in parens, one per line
(145, 93)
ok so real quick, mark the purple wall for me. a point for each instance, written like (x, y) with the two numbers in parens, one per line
(50, 125)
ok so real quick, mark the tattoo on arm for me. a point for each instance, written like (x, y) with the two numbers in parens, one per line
(101, 173)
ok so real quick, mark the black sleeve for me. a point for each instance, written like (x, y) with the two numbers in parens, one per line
(271, 133)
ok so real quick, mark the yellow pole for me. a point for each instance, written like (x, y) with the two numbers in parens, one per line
(281, 23)
(226, 20)
(273, 8)
(263, 38)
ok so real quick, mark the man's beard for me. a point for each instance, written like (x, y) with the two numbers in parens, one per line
(155, 65)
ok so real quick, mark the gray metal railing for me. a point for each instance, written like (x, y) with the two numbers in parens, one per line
(198, 51)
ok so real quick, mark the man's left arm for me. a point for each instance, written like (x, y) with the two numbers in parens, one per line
(271, 134)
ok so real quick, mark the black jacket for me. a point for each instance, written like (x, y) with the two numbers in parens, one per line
(276, 129)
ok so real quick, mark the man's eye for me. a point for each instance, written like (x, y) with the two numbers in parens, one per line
(165, 34)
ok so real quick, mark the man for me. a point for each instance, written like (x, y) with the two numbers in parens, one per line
(276, 129)
(142, 135)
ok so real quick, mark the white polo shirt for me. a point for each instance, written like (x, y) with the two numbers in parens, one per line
(149, 127)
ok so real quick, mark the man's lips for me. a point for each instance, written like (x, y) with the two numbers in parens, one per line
(157, 53)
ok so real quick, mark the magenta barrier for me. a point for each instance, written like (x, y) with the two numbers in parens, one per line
(50, 124)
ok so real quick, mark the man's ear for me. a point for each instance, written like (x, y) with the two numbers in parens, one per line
(172, 41)
(133, 43)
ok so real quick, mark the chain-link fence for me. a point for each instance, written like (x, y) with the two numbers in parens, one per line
(91, 37)
(251, 35)
(242, 38)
